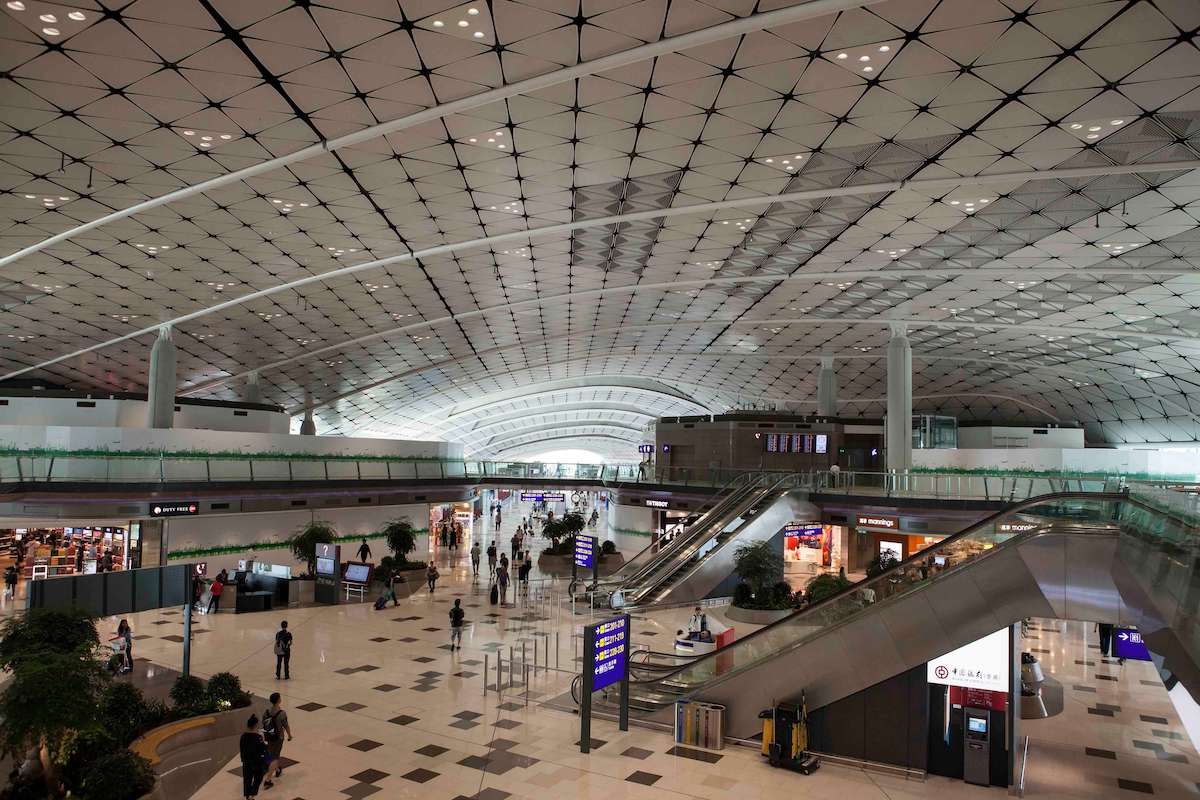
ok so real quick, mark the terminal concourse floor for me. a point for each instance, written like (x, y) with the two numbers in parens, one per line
(379, 706)
(1118, 734)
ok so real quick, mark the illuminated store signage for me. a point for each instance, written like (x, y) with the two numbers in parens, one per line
(1016, 527)
(176, 509)
(982, 664)
(658, 504)
(877, 521)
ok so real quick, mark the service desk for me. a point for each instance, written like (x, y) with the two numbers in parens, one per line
(258, 592)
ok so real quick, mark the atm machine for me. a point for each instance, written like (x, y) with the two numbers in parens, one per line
(976, 755)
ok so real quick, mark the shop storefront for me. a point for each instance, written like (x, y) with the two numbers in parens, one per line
(812, 548)
(69, 550)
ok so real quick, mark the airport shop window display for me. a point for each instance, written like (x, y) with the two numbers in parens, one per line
(51, 552)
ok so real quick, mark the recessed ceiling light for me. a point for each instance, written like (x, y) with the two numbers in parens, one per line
(462, 23)
(1075, 126)
(206, 138)
(1117, 122)
(883, 48)
(49, 18)
(437, 23)
(78, 16)
(868, 69)
(864, 58)
(1093, 136)
(842, 56)
(770, 161)
(226, 137)
(472, 11)
(50, 31)
(189, 133)
(954, 202)
(478, 34)
(16, 5)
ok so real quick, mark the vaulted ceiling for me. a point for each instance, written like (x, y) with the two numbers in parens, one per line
(545, 223)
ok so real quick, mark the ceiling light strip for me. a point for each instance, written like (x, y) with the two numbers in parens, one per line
(926, 185)
(725, 30)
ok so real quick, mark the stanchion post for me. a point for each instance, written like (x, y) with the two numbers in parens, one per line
(499, 672)
(485, 673)
(527, 686)
(511, 667)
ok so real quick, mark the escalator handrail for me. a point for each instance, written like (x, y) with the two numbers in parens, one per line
(686, 536)
(722, 496)
(668, 566)
(905, 565)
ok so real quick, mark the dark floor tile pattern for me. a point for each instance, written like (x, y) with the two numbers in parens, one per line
(1135, 786)
(1100, 753)
(644, 778)
(420, 775)
(696, 755)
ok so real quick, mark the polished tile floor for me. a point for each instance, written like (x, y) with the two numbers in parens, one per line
(379, 706)
(1118, 734)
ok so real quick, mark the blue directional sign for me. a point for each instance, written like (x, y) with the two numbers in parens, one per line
(585, 552)
(1127, 643)
(607, 651)
(539, 497)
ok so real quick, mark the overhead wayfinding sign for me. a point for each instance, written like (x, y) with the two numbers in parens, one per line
(1128, 643)
(803, 529)
(540, 497)
(179, 508)
(585, 552)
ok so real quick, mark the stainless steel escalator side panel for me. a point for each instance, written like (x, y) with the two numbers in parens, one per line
(948, 613)
(1012, 590)
(718, 565)
(1046, 563)
(1091, 589)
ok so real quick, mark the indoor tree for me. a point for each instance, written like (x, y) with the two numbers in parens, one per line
(304, 542)
(401, 538)
(759, 566)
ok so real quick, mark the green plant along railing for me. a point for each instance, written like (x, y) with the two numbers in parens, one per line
(272, 544)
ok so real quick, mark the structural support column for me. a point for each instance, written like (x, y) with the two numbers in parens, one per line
(309, 426)
(252, 392)
(160, 393)
(827, 388)
(899, 399)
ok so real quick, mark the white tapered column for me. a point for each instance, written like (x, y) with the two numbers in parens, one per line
(899, 399)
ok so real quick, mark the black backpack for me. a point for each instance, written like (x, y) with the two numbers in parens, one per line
(270, 729)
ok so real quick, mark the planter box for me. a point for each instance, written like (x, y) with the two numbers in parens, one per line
(158, 743)
(561, 565)
(756, 616)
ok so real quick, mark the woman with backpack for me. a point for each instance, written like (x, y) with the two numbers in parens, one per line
(274, 727)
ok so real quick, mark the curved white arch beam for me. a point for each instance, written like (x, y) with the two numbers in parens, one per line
(628, 383)
(924, 184)
(496, 441)
(714, 33)
(480, 431)
(541, 411)
(696, 283)
(912, 322)
(577, 438)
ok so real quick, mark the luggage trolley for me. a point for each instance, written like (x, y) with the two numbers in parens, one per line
(785, 737)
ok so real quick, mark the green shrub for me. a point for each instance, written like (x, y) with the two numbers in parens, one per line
(41, 631)
(743, 595)
(78, 750)
(118, 775)
(824, 586)
(881, 564)
(759, 564)
(780, 596)
(225, 691)
(124, 712)
(190, 697)
(608, 548)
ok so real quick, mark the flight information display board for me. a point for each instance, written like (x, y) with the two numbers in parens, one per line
(796, 443)
(585, 552)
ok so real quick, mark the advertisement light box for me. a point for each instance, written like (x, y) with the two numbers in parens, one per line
(982, 664)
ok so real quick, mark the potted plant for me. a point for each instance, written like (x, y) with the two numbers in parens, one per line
(303, 543)
(401, 539)
(762, 596)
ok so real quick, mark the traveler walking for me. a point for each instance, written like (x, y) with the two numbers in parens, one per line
(475, 552)
(457, 618)
(431, 576)
(10, 582)
(364, 550)
(125, 632)
(283, 651)
(274, 727)
(254, 758)
(491, 554)
(502, 581)
(214, 600)
(516, 545)
(1106, 638)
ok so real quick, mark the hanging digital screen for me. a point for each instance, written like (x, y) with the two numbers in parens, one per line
(822, 443)
(772, 442)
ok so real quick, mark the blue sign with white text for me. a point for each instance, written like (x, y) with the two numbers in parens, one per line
(1127, 643)
(610, 650)
(585, 552)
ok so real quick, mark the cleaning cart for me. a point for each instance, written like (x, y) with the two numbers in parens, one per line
(785, 737)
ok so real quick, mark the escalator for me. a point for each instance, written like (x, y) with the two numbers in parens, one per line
(1129, 559)
(700, 560)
